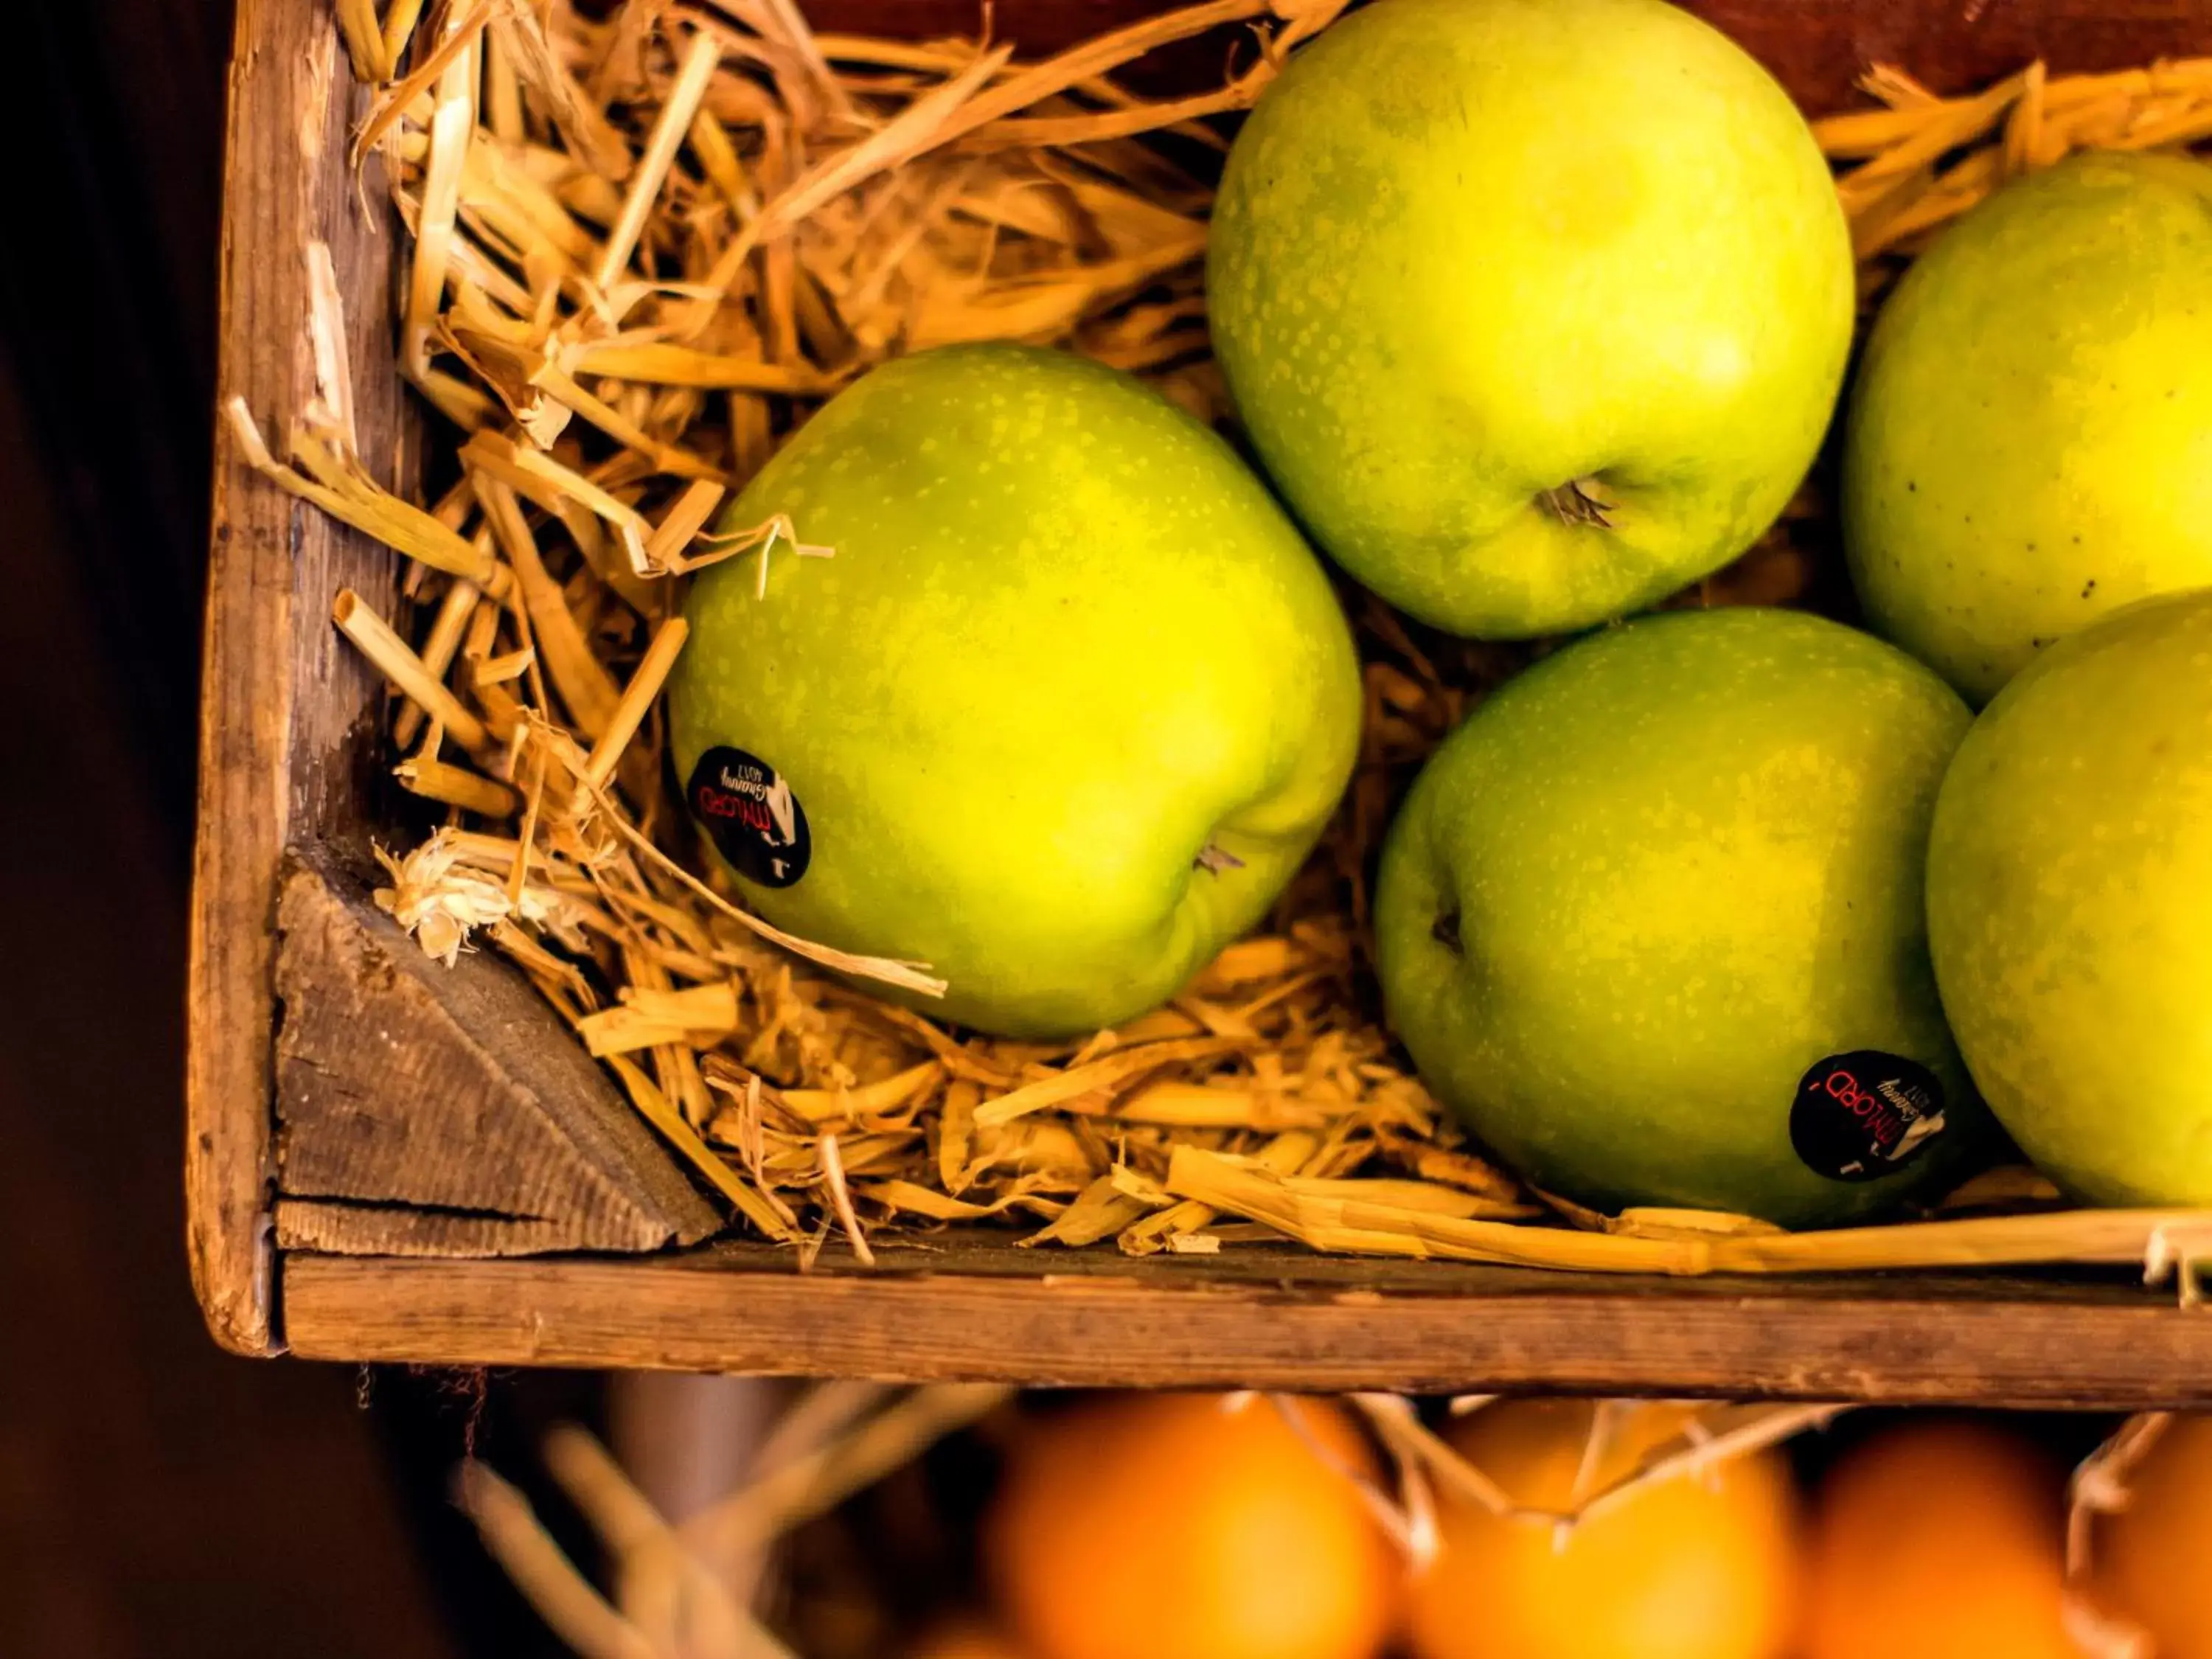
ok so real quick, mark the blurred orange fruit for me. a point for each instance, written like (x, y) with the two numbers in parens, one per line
(1189, 1526)
(1694, 1567)
(2151, 1559)
(1941, 1538)
(965, 1638)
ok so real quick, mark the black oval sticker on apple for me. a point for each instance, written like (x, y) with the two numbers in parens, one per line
(755, 820)
(1861, 1115)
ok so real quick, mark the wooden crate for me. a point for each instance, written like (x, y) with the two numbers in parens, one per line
(391, 1161)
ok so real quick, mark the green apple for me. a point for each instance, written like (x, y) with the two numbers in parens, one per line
(2069, 875)
(1536, 310)
(1063, 712)
(2029, 442)
(1651, 920)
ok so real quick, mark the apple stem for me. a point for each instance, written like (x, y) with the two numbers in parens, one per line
(1216, 858)
(1579, 500)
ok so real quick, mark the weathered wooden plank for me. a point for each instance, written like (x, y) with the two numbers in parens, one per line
(1090, 1319)
(1815, 47)
(284, 719)
(423, 1109)
(352, 1227)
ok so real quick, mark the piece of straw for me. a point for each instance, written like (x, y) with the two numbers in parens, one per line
(357, 501)
(456, 785)
(374, 638)
(563, 1596)
(841, 1200)
(452, 126)
(364, 40)
(586, 687)
(440, 647)
(654, 1107)
(1099, 1074)
(664, 1588)
(636, 702)
(2098, 1488)
(669, 128)
(815, 1481)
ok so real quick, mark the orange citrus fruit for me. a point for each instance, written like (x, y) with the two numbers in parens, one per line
(1189, 1526)
(965, 1638)
(1939, 1539)
(1698, 1566)
(2151, 1559)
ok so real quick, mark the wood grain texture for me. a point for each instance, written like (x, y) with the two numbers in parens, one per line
(284, 719)
(427, 1110)
(1816, 47)
(1813, 47)
(1274, 1319)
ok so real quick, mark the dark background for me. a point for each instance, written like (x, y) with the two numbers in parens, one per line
(156, 1496)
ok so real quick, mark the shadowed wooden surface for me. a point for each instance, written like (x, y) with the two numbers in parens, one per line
(429, 1110)
(286, 711)
(960, 1308)
(1815, 47)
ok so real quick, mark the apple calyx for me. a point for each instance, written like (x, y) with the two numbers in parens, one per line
(1445, 932)
(1214, 859)
(1579, 500)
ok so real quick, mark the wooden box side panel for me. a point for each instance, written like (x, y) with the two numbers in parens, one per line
(958, 1311)
(1816, 48)
(286, 719)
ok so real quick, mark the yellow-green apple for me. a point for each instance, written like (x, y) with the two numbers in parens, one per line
(1536, 310)
(2069, 879)
(2029, 440)
(1650, 920)
(1062, 713)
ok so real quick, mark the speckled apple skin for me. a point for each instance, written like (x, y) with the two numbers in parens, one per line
(1066, 641)
(2029, 444)
(2069, 882)
(1683, 862)
(1468, 251)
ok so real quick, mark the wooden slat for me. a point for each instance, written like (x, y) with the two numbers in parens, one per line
(1254, 1318)
(1816, 47)
(285, 734)
(1813, 47)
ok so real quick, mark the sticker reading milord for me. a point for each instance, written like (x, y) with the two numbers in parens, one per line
(757, 824)
(1865, 1114)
